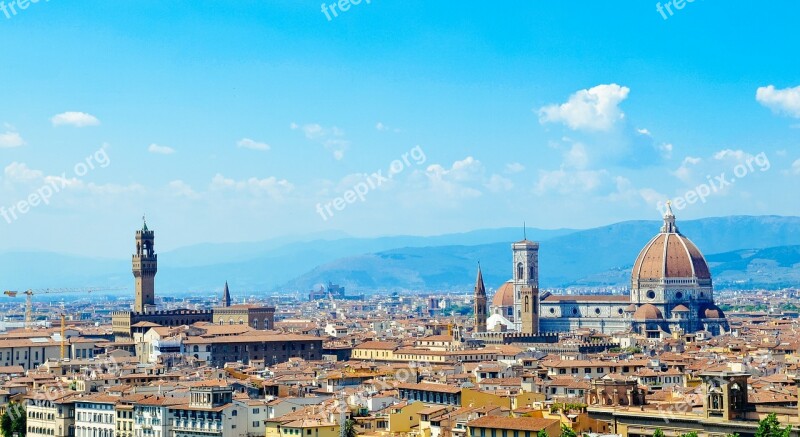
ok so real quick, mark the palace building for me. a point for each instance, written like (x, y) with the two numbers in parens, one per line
(671, 292)
(145, 314)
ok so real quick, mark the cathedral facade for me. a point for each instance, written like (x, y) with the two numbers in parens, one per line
(671, 292)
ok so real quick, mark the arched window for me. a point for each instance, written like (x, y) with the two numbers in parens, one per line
(520, 271)
(526, 304)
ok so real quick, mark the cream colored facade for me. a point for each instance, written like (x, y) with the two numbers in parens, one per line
(53, 416)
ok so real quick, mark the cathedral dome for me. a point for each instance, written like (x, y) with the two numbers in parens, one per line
(648, 312)
(670, 255)
(504, 297)
(681, 309)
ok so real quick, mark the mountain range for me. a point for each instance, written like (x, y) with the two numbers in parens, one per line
(742, 251)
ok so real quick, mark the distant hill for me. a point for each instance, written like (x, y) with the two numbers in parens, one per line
(599, 256)
(251, 267)
(773, 267)
(761, 250)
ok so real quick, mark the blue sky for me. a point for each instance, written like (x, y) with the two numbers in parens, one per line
(233, 121)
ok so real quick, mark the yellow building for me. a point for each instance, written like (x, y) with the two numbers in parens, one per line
(124, 420)
(295, 427)
(498, 426)
(401, 417)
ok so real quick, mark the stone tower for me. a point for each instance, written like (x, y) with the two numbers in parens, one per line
(526, 276)
(145, 266)
(226, 296)
(480, 303)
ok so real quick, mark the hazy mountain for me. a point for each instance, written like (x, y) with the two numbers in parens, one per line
(600, 256)
(748, 247)
(250, 267)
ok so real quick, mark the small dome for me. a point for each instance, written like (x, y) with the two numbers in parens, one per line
(504, 296)
(631, 308)
(680, 309)
(712, 312)
(648, 312)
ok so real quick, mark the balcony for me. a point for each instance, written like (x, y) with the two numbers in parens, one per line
(211, 427)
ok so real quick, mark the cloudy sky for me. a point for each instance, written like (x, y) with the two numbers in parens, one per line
(246, 120)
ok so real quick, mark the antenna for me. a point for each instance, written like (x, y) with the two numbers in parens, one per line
(524, 231)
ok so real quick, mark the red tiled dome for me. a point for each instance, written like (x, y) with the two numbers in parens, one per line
(648, 312)
(504, 297)
(670, 255)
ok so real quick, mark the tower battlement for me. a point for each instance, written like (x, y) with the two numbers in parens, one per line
(145, 266)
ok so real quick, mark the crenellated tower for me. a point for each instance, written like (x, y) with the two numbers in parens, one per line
(145, 266)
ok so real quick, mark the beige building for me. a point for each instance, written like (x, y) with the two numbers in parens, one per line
(255, 316)
(50, 414)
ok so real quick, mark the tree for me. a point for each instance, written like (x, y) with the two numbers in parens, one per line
(542, 433)
(350, 428)
(770, 427)
(690, 434)
(658, 433)
(19, 424)
(14, 420)
(566, 431)
(5, 424)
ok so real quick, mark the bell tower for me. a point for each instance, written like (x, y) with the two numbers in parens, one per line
(480, 303)
(526, 277)
(145, 266)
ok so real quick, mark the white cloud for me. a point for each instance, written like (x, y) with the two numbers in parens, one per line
(684, 172)
(498, 184)
(651, 196)
(330, 138)
(570, 182)
(76, 119)
(594, 109)
(738, 156)
(271, 187)
(666, 150)
(380, 126)
(11, 139)
(644, 132)
(110, 189)
(160, 150)
(576, 157)
(514, 167)
(179, 188)
(796, 167)
(785, 101)
(20, 172)
(247, 143)
(454, 182)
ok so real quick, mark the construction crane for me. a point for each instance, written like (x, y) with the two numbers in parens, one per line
(29, 297)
